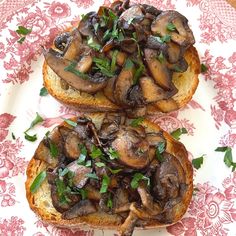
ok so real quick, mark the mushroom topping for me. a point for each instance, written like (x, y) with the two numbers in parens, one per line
(119, 168)
(181, 34)
(159, 71)
(81, 82)
(82, 208)
(133, 150)
(94, 57)
(79, 173)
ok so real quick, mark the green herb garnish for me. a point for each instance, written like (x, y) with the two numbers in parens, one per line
(176, 134)
(128, 64)
(96, 152)
(103, 64)
(53, 149)
(109, 202)
(164, 39)
(83, 193)
(71, 68)
(83, 154)
(160, 148)
(62, 191)
(170, 27)
(228, 157)
(113, 61)
(161, 57)
(105, 184)
(38, 181)
(113, 154)
(70, 122)
(138, 73)
(136, 178)
(63, 172)
(21, 40)
(100, 164)
(115, 171)
(92, 176)
(38, 119)
(43, 92)
(30, 138)
(197, 162)
(22, 31)
(92, 44)
(177, 69)
(204, 68)
(136, 122)
(13, 136)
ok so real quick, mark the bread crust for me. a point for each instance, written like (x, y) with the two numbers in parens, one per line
(186, 84)
(40, 202)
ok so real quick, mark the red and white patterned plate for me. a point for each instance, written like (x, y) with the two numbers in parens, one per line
(210, 117)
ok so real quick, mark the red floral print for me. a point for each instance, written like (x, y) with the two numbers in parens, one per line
(5, 121)
(83, 3)
(160, 4)
(13, 226)
(58, 10)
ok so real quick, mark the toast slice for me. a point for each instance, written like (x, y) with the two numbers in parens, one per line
(186, 83)
(41, 203)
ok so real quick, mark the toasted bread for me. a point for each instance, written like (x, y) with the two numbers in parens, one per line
(186, 83)
(41, 203)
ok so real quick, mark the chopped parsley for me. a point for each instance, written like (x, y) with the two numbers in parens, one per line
(92, 176)
(103, 64)
(62, 191)
(30, 138)
(70, 122)
(13, 136)
(53, 149)
(109, 201)
(197, 162)
(228, 157)
(171, 27)
(38, 181)
(92, 44)
(43, 92)
(138, 177)
(161, 57)
(115, 171)
(100, 164)
(113, 154)
(136, 122)
(83, 193)
(96, 152)
(204, 68)
(22, 31)
(138, 73)
(83, 154)
(71, 68)
(164, 39)
(177, 133)
(63, 172)
(128, 64)
(105, 184)
(160, 148)
(113, 60)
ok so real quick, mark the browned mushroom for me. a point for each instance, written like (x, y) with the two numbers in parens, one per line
(182, 35)
(73, 48)
(159, 71)
(85, 25)
(166, 105)
(120, 57)
(127, 228)
(123, 84)
(58, 65)
(72, 145)
(134, 12)
(79, 173)
(155, 138)
(133, 150)
(108, 90)
(82, 208)
(151, 91)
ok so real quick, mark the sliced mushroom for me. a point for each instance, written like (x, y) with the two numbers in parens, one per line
(174, 52)
(62, 206)
(108, 90)
(155, 139)
(85, 25)
(151, 91)
(122, 86)
(166, 105)
(133, 150)
(135, 96)
(167, 179)
(58, 65)
(62, 40)
(73, 48)
(92, 193)
(82, 208)
(79, 173)
(151, 9)
(182, 35)
(154, 43)
(159, 71)
(127, 228)
(121, 200)
(134, 12)
(120, 57)
(179, 67)
(128, 45)
(72, 145)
